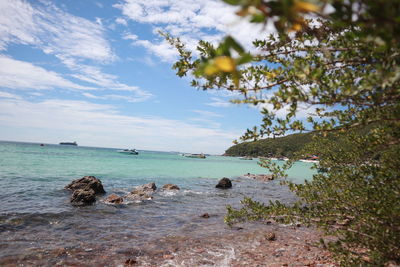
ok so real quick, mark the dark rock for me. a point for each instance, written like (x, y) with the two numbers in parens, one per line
(171, 187)
(224, 183)
(205, 215)
(114, 199)
(270, 236)
(82, 197)
(131, 262)
(86, 183)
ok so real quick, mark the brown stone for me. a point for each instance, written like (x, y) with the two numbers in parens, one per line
(171, 187)
(150, 187)
(86, 183)
(114, 199)
(270, 236)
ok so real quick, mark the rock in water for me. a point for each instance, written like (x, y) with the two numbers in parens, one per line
(139, 196)
(171, 187)
(260, 177)
(82, 197)
(114, 199)
(224, 183)
(86, 183)
(150, 187)
(143, 192)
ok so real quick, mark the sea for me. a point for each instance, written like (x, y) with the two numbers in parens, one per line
(40, 227)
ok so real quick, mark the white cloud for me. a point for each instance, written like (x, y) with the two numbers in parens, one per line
(206, 113)
(130, 36)
(54, 120)
(52, 30)
(303, 112)
(218, 102)
(160, 49)
(209, 20)
(121, 21)
(74, 40)
(17, 74)
(9, 95)
(131, 99)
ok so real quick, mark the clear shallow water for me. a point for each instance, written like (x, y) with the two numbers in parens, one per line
(37, 218)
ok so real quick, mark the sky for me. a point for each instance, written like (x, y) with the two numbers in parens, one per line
(97, 72)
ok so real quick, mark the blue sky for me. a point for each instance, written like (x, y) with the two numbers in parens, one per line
(97, 72)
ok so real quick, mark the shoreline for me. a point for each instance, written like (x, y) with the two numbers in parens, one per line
(242, 246)
(204, 241)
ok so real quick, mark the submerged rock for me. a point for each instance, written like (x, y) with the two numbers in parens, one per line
(224, 183)
(139, 196)
(114, 199)
(87, 183)
(205, 215)
(150, 187)
(260, 177)
(143, 192)
(81, 197)
(171, 187)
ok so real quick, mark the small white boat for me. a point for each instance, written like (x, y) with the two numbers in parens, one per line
(246, 158)
(129, 151)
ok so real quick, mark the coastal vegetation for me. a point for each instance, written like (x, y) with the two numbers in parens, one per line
(285, 146)
(339, 60)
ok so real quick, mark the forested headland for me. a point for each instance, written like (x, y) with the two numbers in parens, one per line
(284, 146)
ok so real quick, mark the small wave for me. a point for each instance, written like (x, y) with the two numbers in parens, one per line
(169, 193)
(192, 192)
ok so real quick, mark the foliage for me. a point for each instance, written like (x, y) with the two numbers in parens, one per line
(343, 67)
(285, 146)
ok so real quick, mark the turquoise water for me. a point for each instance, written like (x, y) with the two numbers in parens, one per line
(36, 215)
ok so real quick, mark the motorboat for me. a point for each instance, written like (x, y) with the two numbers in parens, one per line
(129, 151)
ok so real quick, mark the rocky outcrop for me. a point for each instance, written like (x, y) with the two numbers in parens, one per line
(114, 199)
(224, 183)
(170, 187)
(81, 197)
(85, 190)
(86, 183)
(143, 192)
(260, 177)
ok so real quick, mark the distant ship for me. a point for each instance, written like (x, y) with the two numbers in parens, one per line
(69, 143)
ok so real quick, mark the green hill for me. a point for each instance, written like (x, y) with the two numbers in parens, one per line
(276, 147)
